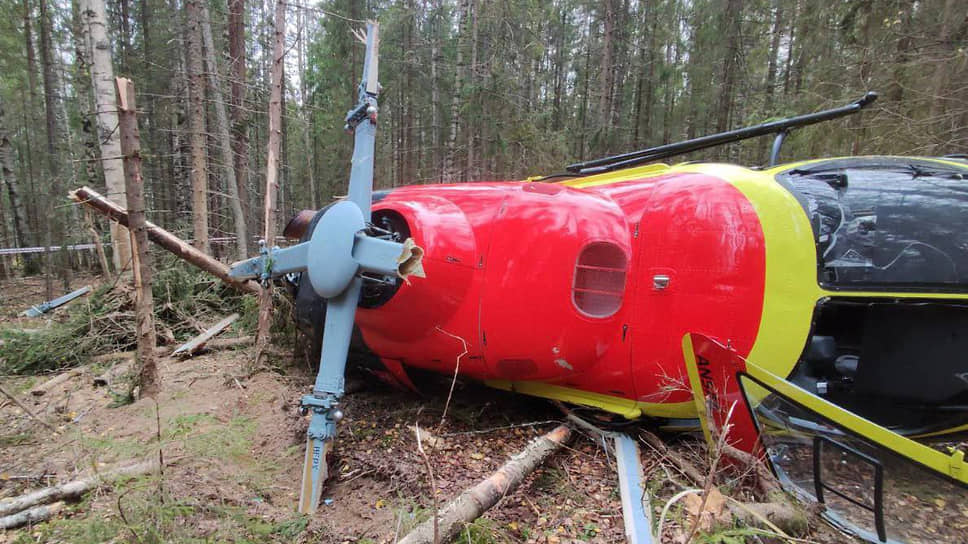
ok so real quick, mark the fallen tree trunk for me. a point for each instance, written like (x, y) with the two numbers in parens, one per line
(73, 489)
(43, 388)
(33, 515)
(223, 343)
(195, 344)
(165, 239)
(478, 499)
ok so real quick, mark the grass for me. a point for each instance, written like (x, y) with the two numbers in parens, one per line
(17, 439)
(482, 531)
(140, 513)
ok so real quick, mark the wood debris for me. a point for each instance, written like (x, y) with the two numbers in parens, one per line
(196, 344)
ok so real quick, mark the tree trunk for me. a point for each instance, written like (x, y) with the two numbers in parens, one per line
(21, 229)
(98, 46)
(731, 25)
(608, 50)
(941, 68)
(770, 86)
(435, 91)
(196, 122)
(56, 221)
(306, 111)
(476, 500)
(224, 136)
(272, 168)
(134, 185)
(469, 171)
(163, 238)
(240, 130)
(450, 174)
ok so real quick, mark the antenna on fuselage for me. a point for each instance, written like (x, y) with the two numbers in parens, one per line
(780, 128)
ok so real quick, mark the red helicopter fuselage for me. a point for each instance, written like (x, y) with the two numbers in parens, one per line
(577, 291)
(848, 277)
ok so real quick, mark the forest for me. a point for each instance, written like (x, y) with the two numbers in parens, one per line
(471, 90)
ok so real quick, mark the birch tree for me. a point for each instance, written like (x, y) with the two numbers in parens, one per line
(94, 32)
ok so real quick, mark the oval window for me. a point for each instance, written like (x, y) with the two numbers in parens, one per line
(599, 279)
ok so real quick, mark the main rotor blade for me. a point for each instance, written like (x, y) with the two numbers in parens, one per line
(338, 330)
(361, 171)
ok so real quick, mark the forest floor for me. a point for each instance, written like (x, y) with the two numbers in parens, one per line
(233, 449)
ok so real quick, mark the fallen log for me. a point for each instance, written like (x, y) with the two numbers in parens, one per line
(33, 515)
(225, 343)
(195, 344)
(165, 239)
(478, 499)
(43, 388)
(73, 489)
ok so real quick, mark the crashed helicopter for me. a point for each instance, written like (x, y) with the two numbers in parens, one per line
(838, 286)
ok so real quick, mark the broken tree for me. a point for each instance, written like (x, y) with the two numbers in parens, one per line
(134, 187)
(272, 170)
(91, 198)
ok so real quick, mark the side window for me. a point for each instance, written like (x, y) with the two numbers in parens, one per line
(599, 279)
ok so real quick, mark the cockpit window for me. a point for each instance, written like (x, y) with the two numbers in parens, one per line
(886, 223)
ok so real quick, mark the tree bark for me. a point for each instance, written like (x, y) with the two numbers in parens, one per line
(240, 130)
(56, 219)
(98, 46)
(450, 173)
(30, 516)
(224, 135)
(74, 489)
(163, 238)
(731, 23)
(771, 67)
(942, 65)
(478, 499)
(196, 122)
(608, 50)
(272, 168)
(434, 18)
(473, 77)
(134, 184)
(21, 228)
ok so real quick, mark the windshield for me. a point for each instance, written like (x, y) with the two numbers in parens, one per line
(886, 223)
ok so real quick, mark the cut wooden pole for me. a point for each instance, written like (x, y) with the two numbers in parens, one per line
(478, 499)
(134, 188)
(165, 239)
(195, 344)
(74, 489)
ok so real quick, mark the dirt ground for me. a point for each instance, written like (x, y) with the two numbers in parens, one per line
(232, 447)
